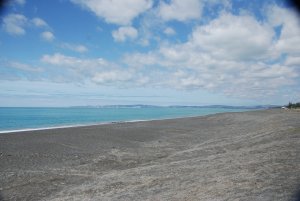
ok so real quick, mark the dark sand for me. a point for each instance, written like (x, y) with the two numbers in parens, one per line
(231, 156)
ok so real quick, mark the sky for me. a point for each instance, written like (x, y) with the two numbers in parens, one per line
(159, 52)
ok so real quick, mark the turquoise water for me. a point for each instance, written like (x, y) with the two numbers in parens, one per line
(33, 118)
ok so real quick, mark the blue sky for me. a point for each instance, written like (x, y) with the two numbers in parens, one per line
(161, 52)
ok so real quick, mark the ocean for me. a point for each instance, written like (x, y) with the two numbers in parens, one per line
(21, 118)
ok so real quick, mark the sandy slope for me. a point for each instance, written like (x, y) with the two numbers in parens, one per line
(232, 156)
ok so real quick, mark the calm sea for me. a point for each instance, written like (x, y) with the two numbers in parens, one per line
(34, 118)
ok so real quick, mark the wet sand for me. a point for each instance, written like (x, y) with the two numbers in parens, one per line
(232, 156)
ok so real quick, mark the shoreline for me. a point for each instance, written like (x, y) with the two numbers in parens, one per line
(114, 122)
(251, 155)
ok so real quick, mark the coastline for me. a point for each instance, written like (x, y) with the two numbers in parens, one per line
(111, 122)
(250, 155)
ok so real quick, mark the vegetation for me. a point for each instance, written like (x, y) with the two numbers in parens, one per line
(293, 105)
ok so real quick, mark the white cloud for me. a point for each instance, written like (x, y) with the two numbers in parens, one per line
(237, 55)
(116, 11)
(38, 22)
(14, 24)
(98, 71)
(78, 64)
(124, 33)
(140, 59)
(292, 61)
(74, 47)
(60, 60)
(47, 36)
(230, 54)
(73, 69)
(112, 76)
(169, 31)
(289, 39)
(180, 10)
(232, 37)
(148, 28)
(80, 48)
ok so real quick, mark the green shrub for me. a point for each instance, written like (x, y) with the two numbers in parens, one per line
(293, 105)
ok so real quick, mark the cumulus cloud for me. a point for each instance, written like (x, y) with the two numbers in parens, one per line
(124, 33)
(115, 11)
(85, 66)
(180, 10)
(230, 54)
(61, 60)
(292, 61)
(47, 36)
(14, 24)
(38, 22)
(289, 40)
(232, 37)
(111, 76)
(99, 71)
(73, 69)
(237, 55)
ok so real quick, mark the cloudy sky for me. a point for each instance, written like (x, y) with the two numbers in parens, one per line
(162, 52)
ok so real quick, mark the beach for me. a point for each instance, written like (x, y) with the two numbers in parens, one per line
(251, 155)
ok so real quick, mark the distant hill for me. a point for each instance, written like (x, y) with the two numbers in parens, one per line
(182, 106)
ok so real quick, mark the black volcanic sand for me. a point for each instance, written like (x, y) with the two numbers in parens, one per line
(231, 156)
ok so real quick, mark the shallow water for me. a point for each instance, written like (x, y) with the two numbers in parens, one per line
(18, 118)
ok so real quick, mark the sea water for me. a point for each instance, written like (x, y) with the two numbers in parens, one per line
(18, 118)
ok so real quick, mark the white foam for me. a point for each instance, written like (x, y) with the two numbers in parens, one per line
(83, 125)
(52, 127)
